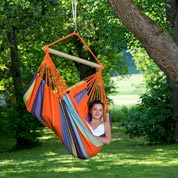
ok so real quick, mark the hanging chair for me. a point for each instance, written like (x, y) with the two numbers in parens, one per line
(64, 109)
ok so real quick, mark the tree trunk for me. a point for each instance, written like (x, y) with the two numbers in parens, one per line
(15, 66)
(17, 81)
(158, 44)
(174, 102)
(172, 16)
(84, 70)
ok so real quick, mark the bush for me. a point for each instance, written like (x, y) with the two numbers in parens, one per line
(153, 118)
(4, 122)
(23, 126)
(120, 113)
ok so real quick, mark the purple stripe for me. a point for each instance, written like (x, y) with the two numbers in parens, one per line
(65, 132)
(76, 143)
(79, 96)
(38, 103)
(28, 86)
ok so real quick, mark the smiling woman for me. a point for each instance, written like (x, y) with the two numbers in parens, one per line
(101, 130)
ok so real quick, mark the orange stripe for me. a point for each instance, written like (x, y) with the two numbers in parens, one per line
(91, 149)
(47, 110)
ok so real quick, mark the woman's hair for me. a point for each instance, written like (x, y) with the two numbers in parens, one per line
(91, 104)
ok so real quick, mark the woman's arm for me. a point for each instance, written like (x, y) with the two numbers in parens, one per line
(107, 138)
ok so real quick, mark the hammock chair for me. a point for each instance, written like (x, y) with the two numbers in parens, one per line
(64, 109)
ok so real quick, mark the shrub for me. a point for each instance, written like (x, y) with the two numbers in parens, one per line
(23, 126)
(153, 117)
(120, 113)
(4, 122)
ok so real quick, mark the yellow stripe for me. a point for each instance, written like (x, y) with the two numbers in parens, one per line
(29, 91)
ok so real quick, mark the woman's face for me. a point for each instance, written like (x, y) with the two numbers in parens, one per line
(96, 111)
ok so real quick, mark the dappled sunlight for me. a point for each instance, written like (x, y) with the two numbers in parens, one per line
(50, 154)
(72, 169)
(51, 159)
(47, 137)
(48, 134)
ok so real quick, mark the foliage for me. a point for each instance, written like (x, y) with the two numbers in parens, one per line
(13, 125)
(24, 126)
(105, 39)
(4, 123)
(122, 113)
(143, 63)
(157, 98)
(16, 16)
(38, 23)
(155, 10)
(153, 117)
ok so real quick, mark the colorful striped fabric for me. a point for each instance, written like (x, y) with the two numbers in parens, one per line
(66, 115)
(64, 110)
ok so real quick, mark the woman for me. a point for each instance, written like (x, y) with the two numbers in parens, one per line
(101, 130)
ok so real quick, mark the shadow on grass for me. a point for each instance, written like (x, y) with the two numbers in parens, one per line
(123, 158)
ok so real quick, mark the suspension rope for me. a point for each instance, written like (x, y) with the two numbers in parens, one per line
(74, 12)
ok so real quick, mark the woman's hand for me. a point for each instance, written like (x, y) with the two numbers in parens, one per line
(107, 138)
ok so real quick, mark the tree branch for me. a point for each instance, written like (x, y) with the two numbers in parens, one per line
(157, 42)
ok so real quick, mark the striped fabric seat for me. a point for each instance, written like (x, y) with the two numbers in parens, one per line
(64, 113)
(64, 109)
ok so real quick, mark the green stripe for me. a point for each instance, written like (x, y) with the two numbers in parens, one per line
(29, 91)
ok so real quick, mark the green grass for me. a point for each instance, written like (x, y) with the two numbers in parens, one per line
(123, 158)
(128, 89)
(129, 84)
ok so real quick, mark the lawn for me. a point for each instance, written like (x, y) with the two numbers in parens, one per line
(128, 89)
(123, 158)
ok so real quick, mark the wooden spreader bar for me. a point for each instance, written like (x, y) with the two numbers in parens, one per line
(73, 58)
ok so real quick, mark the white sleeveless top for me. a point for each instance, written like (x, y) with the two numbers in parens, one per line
(98, 131)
